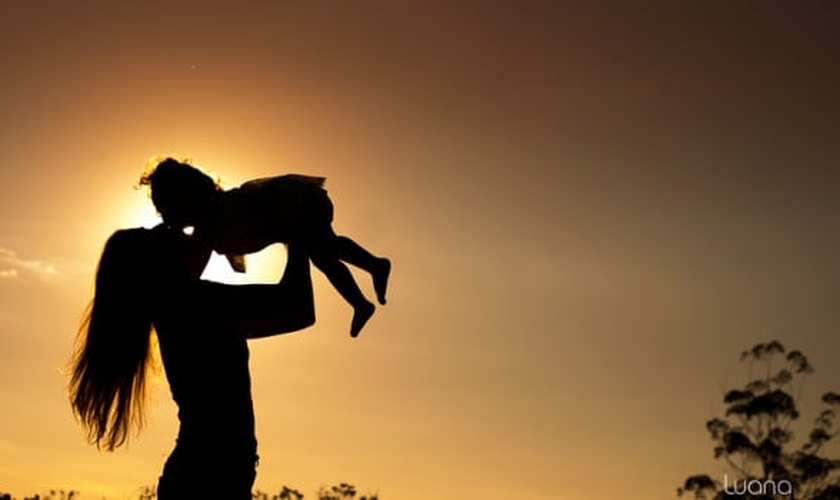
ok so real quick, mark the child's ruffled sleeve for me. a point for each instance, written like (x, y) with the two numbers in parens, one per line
(236, 261)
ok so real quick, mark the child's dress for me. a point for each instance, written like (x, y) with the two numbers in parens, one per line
(271, 210)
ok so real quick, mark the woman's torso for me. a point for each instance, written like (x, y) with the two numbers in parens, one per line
(206, 365)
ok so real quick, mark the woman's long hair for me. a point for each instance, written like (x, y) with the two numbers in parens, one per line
(107, 381)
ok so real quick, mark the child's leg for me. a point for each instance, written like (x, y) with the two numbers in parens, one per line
(379, 268)
(318, 228)
(339, 275)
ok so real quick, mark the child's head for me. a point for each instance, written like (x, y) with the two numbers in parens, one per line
(181, 193)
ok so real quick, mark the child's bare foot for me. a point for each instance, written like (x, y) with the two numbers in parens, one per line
(380, 279)
(361, 314)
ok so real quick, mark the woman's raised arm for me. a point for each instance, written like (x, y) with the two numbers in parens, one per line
(256, 311)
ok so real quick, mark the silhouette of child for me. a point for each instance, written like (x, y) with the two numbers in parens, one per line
(263, 211)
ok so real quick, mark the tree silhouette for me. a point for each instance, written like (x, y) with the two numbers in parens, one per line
(289, 494)
(342, 491)
(52, 495)
(756, 442)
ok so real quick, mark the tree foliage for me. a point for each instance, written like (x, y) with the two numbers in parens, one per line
(52, 495)
(755, 439)
(342, 491)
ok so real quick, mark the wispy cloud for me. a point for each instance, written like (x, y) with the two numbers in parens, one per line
(13, 266)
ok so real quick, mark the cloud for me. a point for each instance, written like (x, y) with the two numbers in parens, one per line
(12, 266)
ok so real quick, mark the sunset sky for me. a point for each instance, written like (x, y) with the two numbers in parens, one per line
(591, 211)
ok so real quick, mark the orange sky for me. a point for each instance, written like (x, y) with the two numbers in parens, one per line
(591, 212)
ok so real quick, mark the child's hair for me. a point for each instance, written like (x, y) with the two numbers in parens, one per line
(113, 345)
(170, 178)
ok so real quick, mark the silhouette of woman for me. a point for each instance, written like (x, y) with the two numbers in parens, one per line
(148, 278)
